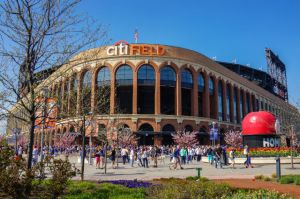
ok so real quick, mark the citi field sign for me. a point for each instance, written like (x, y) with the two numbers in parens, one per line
(124, 48)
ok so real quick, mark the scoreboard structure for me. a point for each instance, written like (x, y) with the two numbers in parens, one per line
(277, 71)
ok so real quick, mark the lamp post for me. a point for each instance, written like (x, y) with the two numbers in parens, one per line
(292, 146)
(213, 132)
(45, 95)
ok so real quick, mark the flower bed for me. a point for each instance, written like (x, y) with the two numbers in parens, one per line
(268, 152)
(129, 183)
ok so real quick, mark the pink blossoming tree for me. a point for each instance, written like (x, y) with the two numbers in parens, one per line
(22, 141)
(185, 138)
(126, 138)
(65, 140)
(233, 138)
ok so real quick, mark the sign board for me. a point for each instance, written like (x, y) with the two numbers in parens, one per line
(124, 48)
(271, 142)
(213, 134)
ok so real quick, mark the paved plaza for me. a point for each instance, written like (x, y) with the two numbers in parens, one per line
(162, 171)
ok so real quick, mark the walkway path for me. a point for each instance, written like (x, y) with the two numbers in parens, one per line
(163, 171)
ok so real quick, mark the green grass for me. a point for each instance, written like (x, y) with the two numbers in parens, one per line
(290, 179)
(90, 190)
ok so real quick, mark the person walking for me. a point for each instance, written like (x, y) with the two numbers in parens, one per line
(232, 157)
(124, 155)
(97, 158)
(113, 157)
(131, 156)
(145, 157)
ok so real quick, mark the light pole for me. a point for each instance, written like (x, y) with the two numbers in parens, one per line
(292, 146)
(213, 134)
(92, 129)
(45, 95)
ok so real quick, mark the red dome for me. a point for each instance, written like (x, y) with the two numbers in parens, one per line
(259, 123)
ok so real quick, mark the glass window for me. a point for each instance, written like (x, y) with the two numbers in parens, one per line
(235, 105)
(228, 104)
(87, 79)
(146, 75)
(103, 77)
(186, 79)
(220, 101)
(241, 104)
(167, 76)
(211, 86)
(124, 75)
(200, 83)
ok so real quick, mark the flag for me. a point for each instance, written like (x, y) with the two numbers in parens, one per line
(136, 35)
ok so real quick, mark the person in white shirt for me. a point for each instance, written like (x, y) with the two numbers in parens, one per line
(124, 154)
(131, 156)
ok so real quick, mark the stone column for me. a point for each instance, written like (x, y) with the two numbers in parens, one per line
(134, 93)
(157, 93)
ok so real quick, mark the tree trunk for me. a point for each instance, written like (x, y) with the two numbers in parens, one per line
(31, 142)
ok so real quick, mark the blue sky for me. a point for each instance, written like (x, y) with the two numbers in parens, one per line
(227, 29)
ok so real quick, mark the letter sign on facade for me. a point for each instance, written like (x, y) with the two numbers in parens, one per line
(123, 48)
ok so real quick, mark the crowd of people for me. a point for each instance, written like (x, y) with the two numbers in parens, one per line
(141, 156)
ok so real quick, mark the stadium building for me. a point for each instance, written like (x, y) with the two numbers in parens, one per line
(155, 90)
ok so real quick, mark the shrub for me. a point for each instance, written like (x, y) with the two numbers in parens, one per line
(89, 190)
(189, 189)
(274, 175)
(246, 194)
(297, 181)
(266, 178)
(259, 177)
(286, 179)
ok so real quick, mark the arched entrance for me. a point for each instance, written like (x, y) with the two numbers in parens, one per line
(167, 138)
(203, 136)
(146, 134)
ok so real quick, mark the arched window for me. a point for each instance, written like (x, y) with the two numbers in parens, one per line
(65, 96)
(146, 127)
(146, 75)
(228, 104)
(247, 103)
(211, 89)
(86, 92)
(167, 90)
(167, 76)
(124, 75)
(101, 131)
(146, 134)
(124, 89)
(186, 92)
(188, 128)
(241, 105)
(235, 105)
(103, 91)
(200, 95)
(168, 128)
(72, 101)
(220, 101)
(146, 89)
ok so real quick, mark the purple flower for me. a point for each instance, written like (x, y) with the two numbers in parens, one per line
(129, 183)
